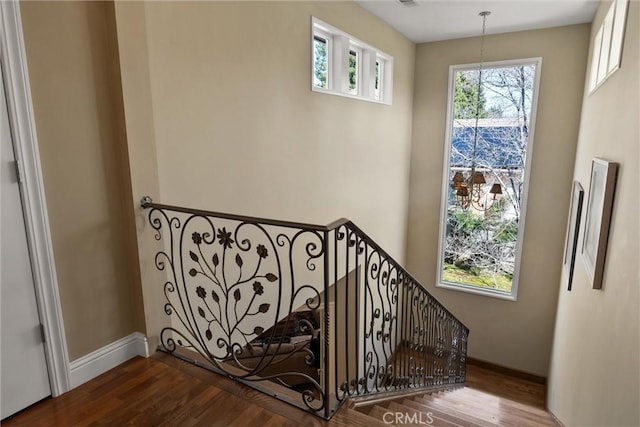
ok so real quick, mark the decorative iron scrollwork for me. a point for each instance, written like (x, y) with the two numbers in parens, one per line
(322, 311)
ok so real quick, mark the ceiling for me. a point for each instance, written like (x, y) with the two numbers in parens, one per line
(431, 20)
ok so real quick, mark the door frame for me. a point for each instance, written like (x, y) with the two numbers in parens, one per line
(23, 130)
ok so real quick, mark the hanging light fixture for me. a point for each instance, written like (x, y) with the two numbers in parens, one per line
(469, 190)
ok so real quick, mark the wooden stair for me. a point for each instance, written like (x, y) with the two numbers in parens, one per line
(463, 407)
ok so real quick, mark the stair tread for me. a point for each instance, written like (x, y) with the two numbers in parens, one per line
(522, 406)
(439, 418)
(491, 409)
(353, 417)
(462, 418)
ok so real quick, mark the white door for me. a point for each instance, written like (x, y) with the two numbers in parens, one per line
(23, 375)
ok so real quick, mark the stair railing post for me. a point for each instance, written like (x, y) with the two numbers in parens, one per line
(327, 325)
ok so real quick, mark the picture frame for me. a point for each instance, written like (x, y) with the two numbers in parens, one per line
(573, 230)
(599, 209)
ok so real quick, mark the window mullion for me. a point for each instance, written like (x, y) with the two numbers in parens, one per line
(340, 68)
(387, 81)
(368, 73)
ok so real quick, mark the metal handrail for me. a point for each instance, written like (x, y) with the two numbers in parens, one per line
(147, 202)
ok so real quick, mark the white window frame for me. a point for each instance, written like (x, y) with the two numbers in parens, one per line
(513, 296)
(339, 44)
(607, 44)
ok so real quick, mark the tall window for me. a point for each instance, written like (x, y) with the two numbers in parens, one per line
(490, 128)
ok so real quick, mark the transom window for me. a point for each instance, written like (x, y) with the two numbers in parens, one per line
(343, 65)
(489, 136)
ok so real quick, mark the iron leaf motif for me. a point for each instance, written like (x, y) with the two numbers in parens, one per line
(271, 277)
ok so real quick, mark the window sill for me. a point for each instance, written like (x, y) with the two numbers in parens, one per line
(347, 95)
(478, 291)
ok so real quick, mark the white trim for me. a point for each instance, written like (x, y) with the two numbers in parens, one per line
(513, 296)
(32, 189)
(106, 358)
(347, 95)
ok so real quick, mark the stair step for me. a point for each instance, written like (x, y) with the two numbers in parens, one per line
(428, 416)
(468, 391)
(461, 418)
(489, 408)
(353, 417)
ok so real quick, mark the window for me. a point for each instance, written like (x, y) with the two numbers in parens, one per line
(607, 44)
(489, 135)
(320, 64)
(379, 77)
(353, 72)
(343, 65)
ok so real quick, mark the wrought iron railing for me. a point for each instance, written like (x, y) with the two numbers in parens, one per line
(310, 314)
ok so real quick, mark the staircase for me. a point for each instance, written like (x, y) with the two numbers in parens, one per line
(312, 315)
(462, 407)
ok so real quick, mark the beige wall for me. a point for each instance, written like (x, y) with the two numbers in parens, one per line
(595, 366)
(224, 97)
(513, 334)
(69, 47)
(239, 130)
(141, 151)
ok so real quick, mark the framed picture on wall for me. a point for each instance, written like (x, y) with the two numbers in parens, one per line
(599, 206)
(575, 213)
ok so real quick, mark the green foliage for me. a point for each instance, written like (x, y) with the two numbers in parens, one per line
(465, 222)
(466, 98)
(353, 70)
(320, 63)
(480, 247)
(501, 281)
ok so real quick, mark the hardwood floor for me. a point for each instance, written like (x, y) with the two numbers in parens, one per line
(165, 391)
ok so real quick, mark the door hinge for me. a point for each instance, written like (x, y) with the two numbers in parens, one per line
(42, 333)
(18, 167)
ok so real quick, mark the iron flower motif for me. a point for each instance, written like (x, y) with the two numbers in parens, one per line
(201, 292)
(224, 238)
(197, 238)
(262, 251)
(258, 288)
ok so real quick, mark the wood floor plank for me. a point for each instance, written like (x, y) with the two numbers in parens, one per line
(165, 391)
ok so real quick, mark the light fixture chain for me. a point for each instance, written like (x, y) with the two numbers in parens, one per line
(478, 92)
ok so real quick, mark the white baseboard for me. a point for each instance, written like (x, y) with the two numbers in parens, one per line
(108, 357)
